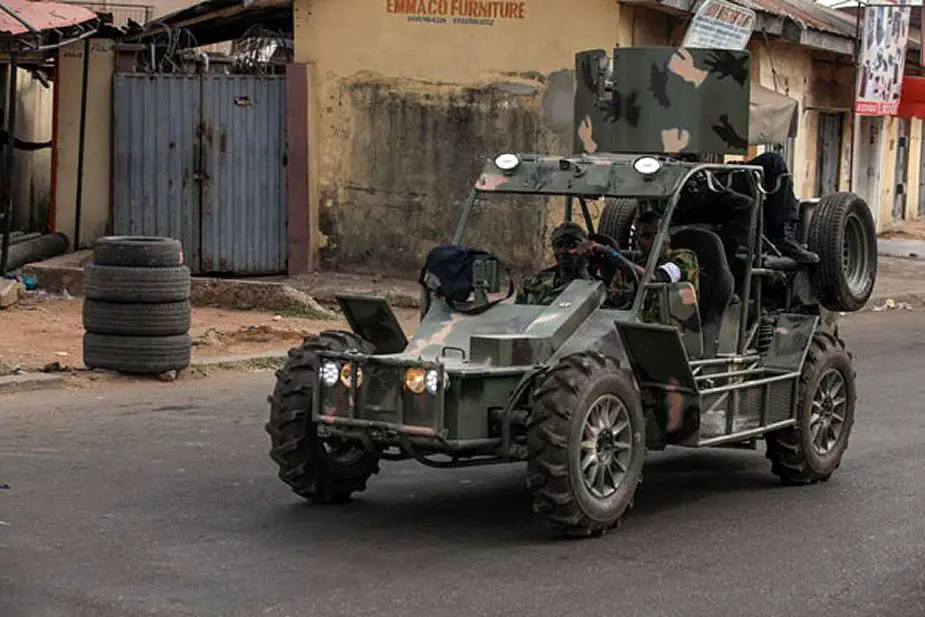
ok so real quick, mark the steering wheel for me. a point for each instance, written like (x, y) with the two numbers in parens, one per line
(623, 262)
(595, 267)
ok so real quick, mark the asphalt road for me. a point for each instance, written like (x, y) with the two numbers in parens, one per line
(160, 499)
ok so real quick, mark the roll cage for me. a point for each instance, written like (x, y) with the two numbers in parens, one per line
(552, 176)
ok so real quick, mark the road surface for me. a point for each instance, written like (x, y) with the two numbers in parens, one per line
(160, 500)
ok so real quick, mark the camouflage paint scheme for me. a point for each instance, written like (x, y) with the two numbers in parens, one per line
(662, 100)
(486, 363)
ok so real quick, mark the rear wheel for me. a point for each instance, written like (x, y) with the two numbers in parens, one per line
(320, 470)
(586, 445)
(812, 450)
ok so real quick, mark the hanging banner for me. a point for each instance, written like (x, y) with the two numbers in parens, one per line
(718, 24)
(882, 61)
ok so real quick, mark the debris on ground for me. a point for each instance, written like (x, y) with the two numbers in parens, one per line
(251, 295)
(10, 369)
(11, 291)
(892, 304)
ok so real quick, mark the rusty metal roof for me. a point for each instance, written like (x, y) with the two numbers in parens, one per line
(30, 17)
(809, 15)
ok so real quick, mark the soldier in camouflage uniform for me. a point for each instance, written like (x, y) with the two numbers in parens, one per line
(544, 286)
(674, 265)
(572, 247)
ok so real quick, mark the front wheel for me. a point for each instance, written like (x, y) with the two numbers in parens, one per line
(585, 445)
(327, 471)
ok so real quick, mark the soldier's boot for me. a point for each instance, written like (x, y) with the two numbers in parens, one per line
(789, 247)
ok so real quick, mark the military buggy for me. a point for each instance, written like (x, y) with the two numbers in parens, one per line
(582, 388)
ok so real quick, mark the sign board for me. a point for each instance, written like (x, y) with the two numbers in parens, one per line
(718, 24)
(882, 61)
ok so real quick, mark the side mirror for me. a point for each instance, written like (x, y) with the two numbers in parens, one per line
(486, 275)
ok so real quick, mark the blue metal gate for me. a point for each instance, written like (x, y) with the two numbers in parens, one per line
(202, 158)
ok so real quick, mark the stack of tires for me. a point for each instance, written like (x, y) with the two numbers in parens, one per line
(136, 311)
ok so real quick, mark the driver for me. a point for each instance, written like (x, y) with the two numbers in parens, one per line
(546, 285)
(674, 265)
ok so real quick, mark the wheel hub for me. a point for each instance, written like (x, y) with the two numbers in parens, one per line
(606, 447)
(828, 413)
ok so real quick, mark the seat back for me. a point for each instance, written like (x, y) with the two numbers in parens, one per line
(716, 280)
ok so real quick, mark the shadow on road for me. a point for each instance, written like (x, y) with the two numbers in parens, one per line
(495, 506)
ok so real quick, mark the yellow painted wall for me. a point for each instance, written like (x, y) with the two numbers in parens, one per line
(792, 71)
(913, 188)
(401, 120)
(96, 168)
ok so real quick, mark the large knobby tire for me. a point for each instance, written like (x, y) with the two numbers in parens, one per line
(828, 374)
(577, 390)
(617, 219)
(843, 234)
(165, 319)
(138, 252)
(305, 464)
(144, 285)
(142, 355)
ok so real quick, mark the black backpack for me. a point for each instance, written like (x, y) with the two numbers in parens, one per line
(448, 271)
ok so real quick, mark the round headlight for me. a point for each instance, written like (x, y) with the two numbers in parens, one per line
(414, 380)
(647, 165)
(345, 372)
(431, 381)
(329, 373)
(507, 162)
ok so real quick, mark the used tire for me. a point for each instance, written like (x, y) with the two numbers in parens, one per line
(138, 252)
(305, 464)
(811, 451)
(144, 355)
(843, 234)
(136, 285)
(568, 401)
(617, 220)
(165, 319)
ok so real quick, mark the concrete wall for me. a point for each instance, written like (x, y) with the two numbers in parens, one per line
(95, 207)
(813, 83)
(404, 113)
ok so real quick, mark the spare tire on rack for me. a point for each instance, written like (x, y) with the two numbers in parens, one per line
(136, 311)
(617, 219)
(842, 232)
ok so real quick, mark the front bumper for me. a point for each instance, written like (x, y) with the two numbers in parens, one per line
(373, 396)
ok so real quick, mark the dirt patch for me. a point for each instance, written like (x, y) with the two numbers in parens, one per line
(904, 230)
(42, 329)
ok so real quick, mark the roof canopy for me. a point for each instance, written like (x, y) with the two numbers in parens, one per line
(31, 26)
(772, 117)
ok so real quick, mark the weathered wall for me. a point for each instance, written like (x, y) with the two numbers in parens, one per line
(94, 214)
(913, 194)
(402, 122)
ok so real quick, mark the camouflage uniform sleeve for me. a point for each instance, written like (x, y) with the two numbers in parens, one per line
(686, 260)
(536, 288)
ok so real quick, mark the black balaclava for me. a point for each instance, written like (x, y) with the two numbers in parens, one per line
(565, 238)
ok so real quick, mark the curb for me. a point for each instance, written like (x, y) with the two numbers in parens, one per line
(271, 359)
(27, 382)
